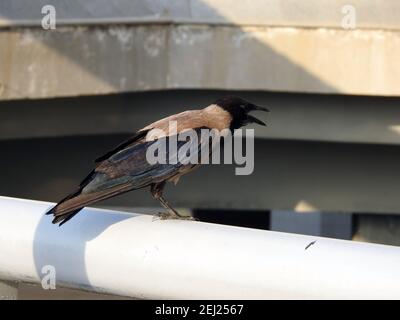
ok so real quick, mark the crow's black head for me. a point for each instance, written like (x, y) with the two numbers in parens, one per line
(239, 109)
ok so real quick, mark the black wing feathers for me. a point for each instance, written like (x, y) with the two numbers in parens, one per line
(136, 137)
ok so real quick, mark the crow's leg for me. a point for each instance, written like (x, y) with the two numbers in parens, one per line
(167, 206)
(157, 191)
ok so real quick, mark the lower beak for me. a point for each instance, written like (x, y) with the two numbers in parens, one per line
(252, 119)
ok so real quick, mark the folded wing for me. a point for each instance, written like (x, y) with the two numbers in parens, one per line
(123, 169)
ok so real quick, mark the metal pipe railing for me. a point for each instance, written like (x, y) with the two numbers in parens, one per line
(139, 256)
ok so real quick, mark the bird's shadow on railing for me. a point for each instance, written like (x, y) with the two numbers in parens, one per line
(64, 258)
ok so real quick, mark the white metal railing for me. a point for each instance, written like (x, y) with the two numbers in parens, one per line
(137, 256)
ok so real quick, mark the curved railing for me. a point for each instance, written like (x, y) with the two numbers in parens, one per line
(142, 257)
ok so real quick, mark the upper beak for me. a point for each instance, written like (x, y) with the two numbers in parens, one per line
(254, 107)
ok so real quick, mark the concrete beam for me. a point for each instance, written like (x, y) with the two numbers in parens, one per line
(332, 118)
(308, 13)
(73, 61)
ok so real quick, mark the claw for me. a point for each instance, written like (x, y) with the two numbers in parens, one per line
(171, 216)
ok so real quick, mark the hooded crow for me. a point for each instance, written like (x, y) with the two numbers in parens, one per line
(125, 168)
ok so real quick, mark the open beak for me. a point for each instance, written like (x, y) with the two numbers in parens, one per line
(252, 119)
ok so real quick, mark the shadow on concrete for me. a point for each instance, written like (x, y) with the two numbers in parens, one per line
(206, 65)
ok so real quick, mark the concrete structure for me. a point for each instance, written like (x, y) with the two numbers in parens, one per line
(199, 44)
(187, 259)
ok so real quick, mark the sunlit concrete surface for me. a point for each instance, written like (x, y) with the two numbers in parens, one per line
(94, 60)
(308, 13)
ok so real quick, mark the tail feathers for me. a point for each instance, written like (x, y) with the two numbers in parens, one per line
(72, 204)
(65, 217)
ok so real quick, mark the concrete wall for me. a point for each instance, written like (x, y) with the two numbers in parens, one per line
(73, 61)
